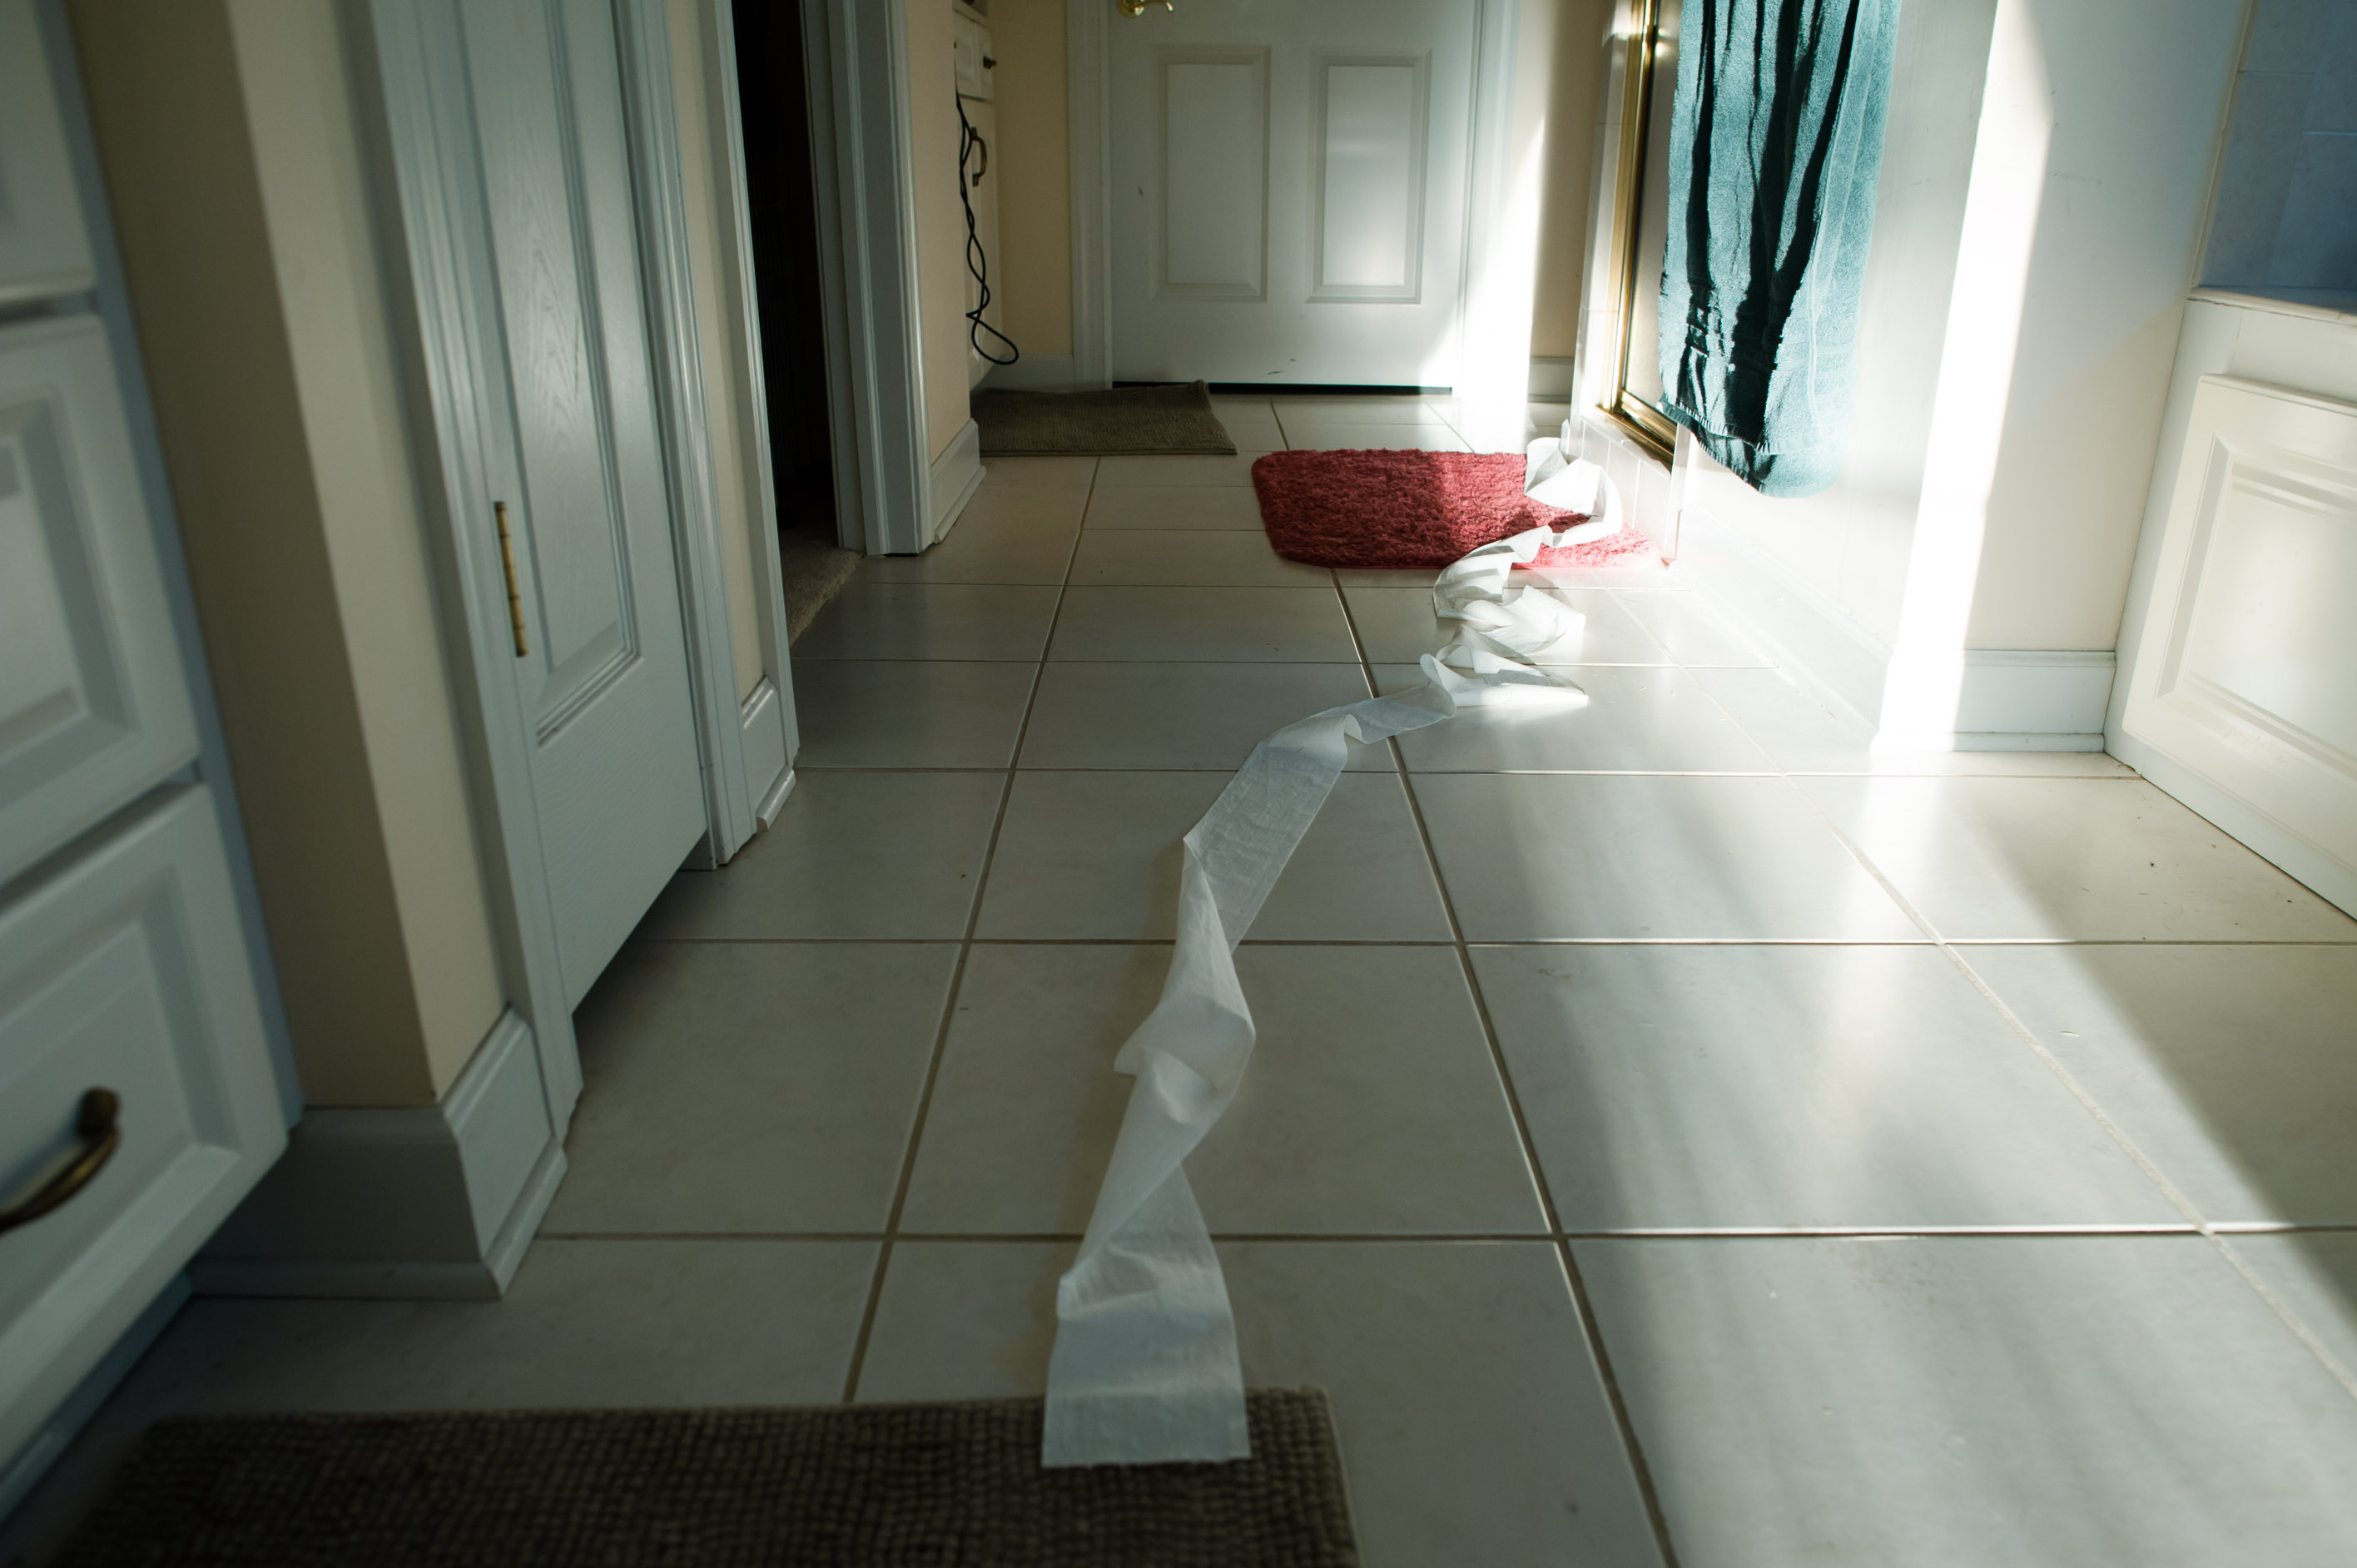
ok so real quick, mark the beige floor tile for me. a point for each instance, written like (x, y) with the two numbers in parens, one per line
(2314, 1274)
(1218, 508)
(1188, 558)
(1720, 1087)
(909, 713)
(586, 1324)
(1957, 1401)
(1474, 1427)
(1558, 855)
(1114, 473)
(1252, 435)
(853, 855)
(1279, 625)
(749, 1086)
(1097, 855)
(1626, 574)
(1010, 536)
(931, 620)
(1803, 737)
(1691, 632)
(1396, 625)
(1023, 499)
(1360, 411)
(1031, 471)
(1364, 1053)
(2086, 858)
(1425, 436)
(1637, 720)
(2230, 1067)
(1182, 715)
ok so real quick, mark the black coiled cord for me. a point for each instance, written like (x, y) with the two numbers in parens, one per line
(976, 262)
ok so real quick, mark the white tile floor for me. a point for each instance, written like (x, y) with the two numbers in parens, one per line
(1675, 1131)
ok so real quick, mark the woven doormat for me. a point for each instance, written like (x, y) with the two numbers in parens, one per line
(1121, 422)
(944, 1486)
(1418, 510)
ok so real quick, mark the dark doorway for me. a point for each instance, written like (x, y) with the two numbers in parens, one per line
(775, 105)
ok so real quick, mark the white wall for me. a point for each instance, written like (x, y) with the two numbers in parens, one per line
(2138, 94)
(1851, 543)
(2042, 198)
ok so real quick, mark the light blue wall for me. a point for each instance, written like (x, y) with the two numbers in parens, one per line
(2286, 213)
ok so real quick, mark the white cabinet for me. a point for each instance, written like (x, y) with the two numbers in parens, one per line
(122, 971)
(2244, 675)
(94, 706)
(138, 1097)
(44, 246)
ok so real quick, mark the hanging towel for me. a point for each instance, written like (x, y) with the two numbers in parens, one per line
(1775, 141)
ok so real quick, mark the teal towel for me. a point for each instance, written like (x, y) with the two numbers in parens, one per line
(1775, 141)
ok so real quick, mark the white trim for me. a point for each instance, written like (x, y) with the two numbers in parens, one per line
(437, 1201)
(1036, 372)
(856, 54)
(2007, 699)
(775, 800)
(1553, 377)
(1089, 136)
(675, 356)
(2032, 699)
(410, 78)
(1839, 662)
(770, 736)
(952, 480)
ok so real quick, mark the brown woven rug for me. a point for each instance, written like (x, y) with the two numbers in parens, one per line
(944, 1486)
(1120, 422)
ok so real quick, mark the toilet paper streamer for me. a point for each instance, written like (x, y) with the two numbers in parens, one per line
(1145, 1368)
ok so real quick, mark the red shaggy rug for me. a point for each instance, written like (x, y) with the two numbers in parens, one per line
(1412, 509)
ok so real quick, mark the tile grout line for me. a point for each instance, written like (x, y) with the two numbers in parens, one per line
(1591, 1331)
(2144, 1162)
(957, 978)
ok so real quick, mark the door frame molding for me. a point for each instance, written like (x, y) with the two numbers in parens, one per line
(744, 743)
(1089, 106)
(439, 293)
(1088, 55)
(863, 169)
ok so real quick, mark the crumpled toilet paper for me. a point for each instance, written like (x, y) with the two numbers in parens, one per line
(1145, 1368)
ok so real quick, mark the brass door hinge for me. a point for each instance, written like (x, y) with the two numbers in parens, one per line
(507, 564)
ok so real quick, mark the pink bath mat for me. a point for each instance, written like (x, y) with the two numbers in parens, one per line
(1417, 511)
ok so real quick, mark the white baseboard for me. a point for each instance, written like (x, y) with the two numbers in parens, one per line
(2006, 699)
(437, 1201)
(956, 474)
(1809, 637)
(2032, 699)
(1034, 372)
(1551, 378)
(765, 730)
(775, 800)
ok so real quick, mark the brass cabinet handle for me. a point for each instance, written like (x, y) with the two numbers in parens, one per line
(507, 564)
(100, 1136)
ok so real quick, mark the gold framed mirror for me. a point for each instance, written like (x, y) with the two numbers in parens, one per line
(1635, 398)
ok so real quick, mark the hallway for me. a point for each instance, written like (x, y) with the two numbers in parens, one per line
(1670, 1121)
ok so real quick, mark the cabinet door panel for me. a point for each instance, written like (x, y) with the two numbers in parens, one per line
(44, 249)
(2244, 672)
(123, 970)
(93, 704)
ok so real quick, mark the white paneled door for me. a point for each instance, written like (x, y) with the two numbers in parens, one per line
(1288, 189)
(600, 658)
(2244, 676)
